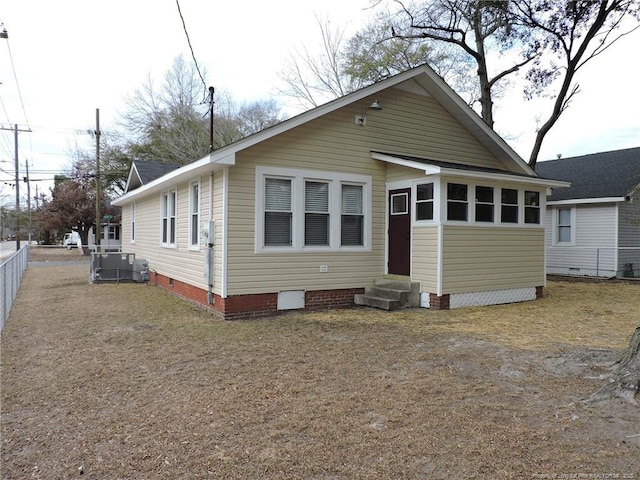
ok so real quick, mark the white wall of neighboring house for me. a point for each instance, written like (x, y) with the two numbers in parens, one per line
(592, 250)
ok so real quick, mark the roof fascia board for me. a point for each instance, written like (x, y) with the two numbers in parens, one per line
(427, 169)
(452, 172)
(583, 201)
(132, 171)
(174, 177)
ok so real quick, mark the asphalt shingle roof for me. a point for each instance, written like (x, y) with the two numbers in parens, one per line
(598, 175)
(149, 171)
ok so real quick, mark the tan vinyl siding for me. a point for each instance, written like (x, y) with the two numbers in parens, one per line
(249, 272)
(424, 260)
(417, 125)
(409, 124)
(398, 173)
(179, 263)
(479, 259)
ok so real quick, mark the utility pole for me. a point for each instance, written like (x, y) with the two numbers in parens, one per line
(96, 231)
(17, 178)
(27, 181)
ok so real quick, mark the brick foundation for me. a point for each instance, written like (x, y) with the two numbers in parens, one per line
(238, 307)
(438, 303)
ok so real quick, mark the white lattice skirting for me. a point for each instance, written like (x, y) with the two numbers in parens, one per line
(479, 299)
(492, 297)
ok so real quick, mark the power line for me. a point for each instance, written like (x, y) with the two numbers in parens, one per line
(15, 76)
(184, 26)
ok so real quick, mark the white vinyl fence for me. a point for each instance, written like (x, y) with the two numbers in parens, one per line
(11, 271)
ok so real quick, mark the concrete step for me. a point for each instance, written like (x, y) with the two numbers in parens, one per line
(412, 289)
(386, 292)
(376, 302)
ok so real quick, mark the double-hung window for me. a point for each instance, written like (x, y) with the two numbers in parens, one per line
(308, 210)
(194, 215)
(457, 201)
(484, 204)
(424, 201)
(277, 212)
(531, 207)
(352, 219)
(509, 205)
(168, 208)
(133, 222)
(564, 225)
(316, 213)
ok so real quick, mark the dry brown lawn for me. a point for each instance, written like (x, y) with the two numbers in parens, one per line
(125, 381)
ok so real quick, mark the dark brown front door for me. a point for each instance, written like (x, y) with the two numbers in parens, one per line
(400, 231)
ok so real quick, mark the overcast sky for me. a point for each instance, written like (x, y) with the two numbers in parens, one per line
(73, 56)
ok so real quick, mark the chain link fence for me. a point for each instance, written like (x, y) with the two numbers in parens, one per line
(11, 271)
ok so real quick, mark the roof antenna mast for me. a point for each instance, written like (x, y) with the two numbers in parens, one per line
(211, 103)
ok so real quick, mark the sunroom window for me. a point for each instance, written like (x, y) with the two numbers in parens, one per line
(424, 201)
(509, 205)
(456, 201)
(484, 204)
(531, 207)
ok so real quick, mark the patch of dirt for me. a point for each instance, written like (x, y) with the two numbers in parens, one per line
(127, 381)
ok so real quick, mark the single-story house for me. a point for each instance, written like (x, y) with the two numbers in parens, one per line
(593, 227)
(401, 178)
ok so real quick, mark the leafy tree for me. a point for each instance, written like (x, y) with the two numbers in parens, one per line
(72, 206)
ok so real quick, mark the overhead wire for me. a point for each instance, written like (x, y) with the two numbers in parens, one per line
(15, 77)
(193, 55)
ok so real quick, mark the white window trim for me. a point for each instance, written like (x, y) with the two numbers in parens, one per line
(555, 217)
(298, 178)
(132, 237)
(194, 246)
(440, 205)
(162, 213)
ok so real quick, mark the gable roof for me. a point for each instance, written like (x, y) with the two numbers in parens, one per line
(606, 175)
(422, 79)
(143, 172)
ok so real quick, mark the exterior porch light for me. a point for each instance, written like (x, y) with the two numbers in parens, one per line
(362, 119)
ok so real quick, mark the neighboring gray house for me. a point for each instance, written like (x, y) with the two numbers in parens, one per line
(593, 227)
